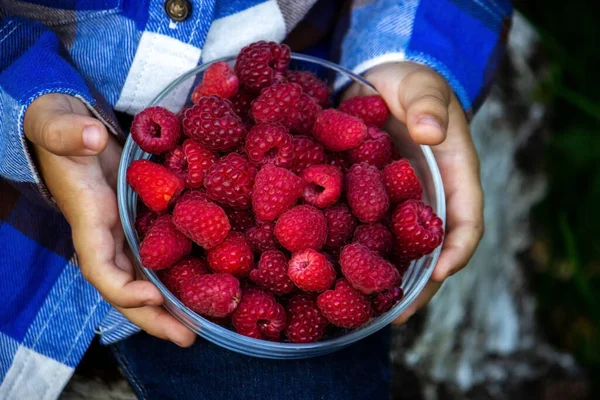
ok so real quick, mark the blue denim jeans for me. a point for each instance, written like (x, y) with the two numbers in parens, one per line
(161, 370)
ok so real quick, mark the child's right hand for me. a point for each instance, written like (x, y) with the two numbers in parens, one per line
(79, 161)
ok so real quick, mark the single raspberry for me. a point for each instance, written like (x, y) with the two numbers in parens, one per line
(306, 152)
(278, 103)
(259, 316)
(418, 231)
(196, 194)
(218, 79)
(262, 237)
(338, 131)
(366, 193)
(143, 221)
(311, 271)
(260, 64)
(374, 237)
(323, 185)
(269, 143)
(185, 269)
(242, 102)
(230, 180)
(275, 190)
(163, 245)
(376, 149)
(311, 85)
(383, 301)
(306, 324)
(339, 159)
(191, 161)
(366, 270)
(345, 306)
(233, 256)
(300, 228)
(271, 273)
(155, 184)
(401, 182)
(308, 111)
(240, 220)
(156, 130)
(212, 295)
(213, 123)
(205, 223)
(371, 109)
(340, 224)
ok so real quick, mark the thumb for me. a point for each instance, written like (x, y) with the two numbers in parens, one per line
(420, 100)
(63, 132)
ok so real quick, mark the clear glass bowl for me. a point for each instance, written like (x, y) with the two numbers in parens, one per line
(175, 97)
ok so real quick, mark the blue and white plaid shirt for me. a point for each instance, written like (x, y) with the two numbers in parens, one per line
(117, 55)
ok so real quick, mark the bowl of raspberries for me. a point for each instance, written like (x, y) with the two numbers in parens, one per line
(277, 220)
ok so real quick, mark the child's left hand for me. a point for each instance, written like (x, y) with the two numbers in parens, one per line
(421, 99)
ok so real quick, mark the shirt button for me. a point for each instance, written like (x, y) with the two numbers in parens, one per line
(178, 10)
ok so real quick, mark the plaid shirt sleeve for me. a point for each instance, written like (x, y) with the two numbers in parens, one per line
(33, 63)
(463, 40)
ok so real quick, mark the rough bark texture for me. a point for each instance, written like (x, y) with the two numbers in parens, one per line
(478, 338)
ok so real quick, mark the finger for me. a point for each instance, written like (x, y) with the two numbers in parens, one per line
(156, 321)
(422, 299)
(68, 134)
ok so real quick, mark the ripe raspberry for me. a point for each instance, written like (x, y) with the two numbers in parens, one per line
(262, 237)
(323, 185)
(185, 269)
(213, 123)
(340, 224)
(311, 85)
(418, 231)
(338, 131)
(259, 316)
(260, 64)
(196, 194)
(191, 161)
(306, 152)
(205, 223)
(269, 144)
(278, 103)
(271, 273)
(212, 295)
(301, 227)
(233, 256)
(156, 130)
(374, 237)
(366, 270)
(366, 193)
(340, 160)
(308, 111)
(306, 323)
(383, 301)
(143, 221)
(311, 271)
(240, 220)
(230, 180)
(218, 79)
(376, 149)
(163, 245)
(275, 190)
(242, 102)
(155, 184)
(401, 182)
(371, 109)
(344, 306)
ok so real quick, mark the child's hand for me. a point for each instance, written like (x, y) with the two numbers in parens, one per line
(421, 99)
(79, 160)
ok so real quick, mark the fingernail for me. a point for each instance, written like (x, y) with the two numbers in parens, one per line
(92, 137)
(428, 120)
